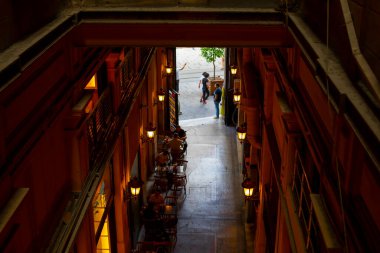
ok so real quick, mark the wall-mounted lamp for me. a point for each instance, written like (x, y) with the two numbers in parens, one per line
(233, 69)
(241, 132)
(249, 189)
(150, 131)
(161, 95)
(134, 188)
(237, 96)
(168, 70)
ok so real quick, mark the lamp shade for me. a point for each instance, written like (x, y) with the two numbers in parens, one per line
(135, 186)
(150, 131)
(161, 95)
(168, 69)
(233, 69)
(248, 187)
(241, 132)
(237, 95)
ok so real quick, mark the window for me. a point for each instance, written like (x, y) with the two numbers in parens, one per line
(103, 245)
(100, 204)
(91, 85)
(91, 89)
(301, 191)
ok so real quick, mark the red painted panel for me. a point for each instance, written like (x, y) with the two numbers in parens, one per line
(317, 96)
(22, 220)
(32, 90)
(370, 191)
(5, 189)
(45, 171)
(85, 240)
(165, 34)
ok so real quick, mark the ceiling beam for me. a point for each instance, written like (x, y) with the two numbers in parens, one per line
(191, 35)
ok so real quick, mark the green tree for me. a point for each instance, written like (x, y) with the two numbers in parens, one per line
(211, 54)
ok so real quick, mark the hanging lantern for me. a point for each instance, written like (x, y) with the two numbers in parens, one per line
(161, 95)
(248, 187)
(135, 187)
(150, 131)
(168, 69)
(241, 133)
(237, 95)
(233, 69)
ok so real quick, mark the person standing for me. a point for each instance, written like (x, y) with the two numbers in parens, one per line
(205, 90)
(217, 99)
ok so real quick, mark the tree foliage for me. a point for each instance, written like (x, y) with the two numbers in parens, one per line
(211, 54)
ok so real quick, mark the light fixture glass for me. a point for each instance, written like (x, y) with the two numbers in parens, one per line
(241, 132)
(135, 186)
(168, 69)
(233, 69)
(161, 95)
(150, 131)
(237, 95)
(135, 191)
(248, 187)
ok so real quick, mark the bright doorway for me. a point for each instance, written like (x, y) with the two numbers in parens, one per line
(193, 64)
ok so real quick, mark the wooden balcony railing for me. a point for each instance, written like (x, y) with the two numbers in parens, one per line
(99, 125)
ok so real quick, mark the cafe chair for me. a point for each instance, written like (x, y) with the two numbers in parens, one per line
(182, 162)
(177, 155)
(161, 182)
(154, 247)
(179, 183)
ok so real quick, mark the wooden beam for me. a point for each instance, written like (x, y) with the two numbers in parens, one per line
(180, 34)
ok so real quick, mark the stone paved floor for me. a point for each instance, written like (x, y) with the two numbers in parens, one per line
(211, 217)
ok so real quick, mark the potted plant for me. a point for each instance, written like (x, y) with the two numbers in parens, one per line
(211, 54)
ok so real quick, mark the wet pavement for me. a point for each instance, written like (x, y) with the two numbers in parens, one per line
(211, 216)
